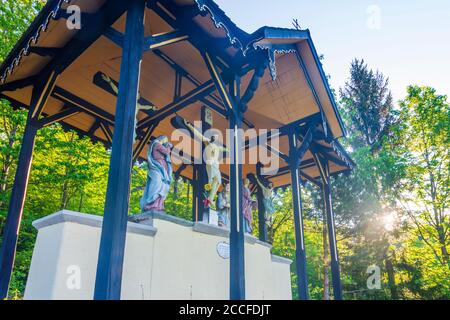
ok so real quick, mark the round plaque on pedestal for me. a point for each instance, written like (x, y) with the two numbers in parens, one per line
(223, 250)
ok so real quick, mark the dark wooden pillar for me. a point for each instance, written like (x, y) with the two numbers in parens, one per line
(237, 231)
(300, 252)
(41, 92)
(335, 268)
(194, 193)
(112, 245)
(232, 101)
(11, 230)
(262, 225)
(201, 177)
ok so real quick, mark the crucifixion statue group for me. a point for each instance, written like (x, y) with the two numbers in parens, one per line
(160, 172)
(159, 179)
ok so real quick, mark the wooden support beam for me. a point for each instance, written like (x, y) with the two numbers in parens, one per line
(269, 136)
(328, 207)
(313, 91)
(164, 39)
(94, 128)
(82, 133)
(39, 97)
(114, 35)
(216, 104)
(101, 83)
(64, 114)
(15, 210)
(112, 244)
(277, 152)
(305, 164)
(18, 84)
(253, 86)
(301, 123)
(177, 173)
(298, 154)
(72, 100)
(181, 19)
(94, 26)
(300, 251)
(106, 131)
(64, 14)
(187, 99)
(286, 129)
(215, 107)
(178, 85)
(311, 179)
(219, 83)
(324, 151)
(144, 140)
(45, 51)
(237, 229)
(45, 87)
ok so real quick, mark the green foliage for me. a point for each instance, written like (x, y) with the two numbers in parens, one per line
(421, 143)
(15, 17)
(367, 102)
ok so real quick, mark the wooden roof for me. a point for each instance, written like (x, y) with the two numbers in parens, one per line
(293, 88)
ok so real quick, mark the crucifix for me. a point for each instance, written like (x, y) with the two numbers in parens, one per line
(108, 84)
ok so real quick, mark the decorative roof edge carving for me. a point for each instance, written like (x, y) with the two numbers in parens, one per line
(218, 19)
(342, 154)
(33, 39)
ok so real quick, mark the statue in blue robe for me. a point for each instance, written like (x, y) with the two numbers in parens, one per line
(159, 175)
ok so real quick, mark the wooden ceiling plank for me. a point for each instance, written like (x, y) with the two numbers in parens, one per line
(74, 101)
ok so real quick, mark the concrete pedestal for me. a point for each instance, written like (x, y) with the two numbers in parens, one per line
(170, 259)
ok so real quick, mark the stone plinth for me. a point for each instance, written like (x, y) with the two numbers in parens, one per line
(169, 258)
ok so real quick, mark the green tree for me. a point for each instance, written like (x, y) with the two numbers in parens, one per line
(368, 102)
(360, 198)
(421, 140)
(15, 17)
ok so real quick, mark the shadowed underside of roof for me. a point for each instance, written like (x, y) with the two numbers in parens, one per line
(292, 90)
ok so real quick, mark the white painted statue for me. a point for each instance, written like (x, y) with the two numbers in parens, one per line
(267, 199)
(224, 206)
(212, 154)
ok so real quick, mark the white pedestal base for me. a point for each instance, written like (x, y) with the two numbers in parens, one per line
(173, 259)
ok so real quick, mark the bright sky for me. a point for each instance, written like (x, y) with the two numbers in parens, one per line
(407, 40)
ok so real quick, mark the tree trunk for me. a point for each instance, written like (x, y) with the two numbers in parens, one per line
(445, 254)
(65, 187)
(391, 279)
(188, 191)
(443, 244)
(80, 206)
(64, 196)
(175, 186)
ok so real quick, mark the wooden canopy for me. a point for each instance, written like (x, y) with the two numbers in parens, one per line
(292, 91)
